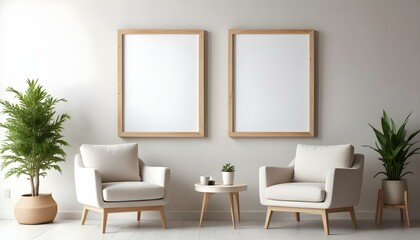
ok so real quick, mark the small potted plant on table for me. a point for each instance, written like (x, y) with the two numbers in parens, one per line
(228, 173)
(32, 145)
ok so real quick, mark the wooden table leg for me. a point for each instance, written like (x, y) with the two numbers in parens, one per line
(379, 207)
(406, 208)
(237, 206)
(204, 206)
(232, 209)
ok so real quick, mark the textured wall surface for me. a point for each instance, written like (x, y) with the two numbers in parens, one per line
(367, 60)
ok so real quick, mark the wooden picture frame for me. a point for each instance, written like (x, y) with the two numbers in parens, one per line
(161, 83)
(271, 83)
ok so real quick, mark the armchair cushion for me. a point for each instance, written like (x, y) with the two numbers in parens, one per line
(115, 163)
(297, 192)
(312, 162)
(131, 191)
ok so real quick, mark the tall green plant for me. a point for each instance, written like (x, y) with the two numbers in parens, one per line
(33, 142)
(394, 147)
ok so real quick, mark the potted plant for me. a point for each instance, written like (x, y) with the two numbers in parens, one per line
(32, 145)
(395, 148)
(228, 173)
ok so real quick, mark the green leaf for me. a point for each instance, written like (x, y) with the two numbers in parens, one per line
(393, 146)
(33, 141)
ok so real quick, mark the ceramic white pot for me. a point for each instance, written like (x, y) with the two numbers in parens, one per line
(228, 178)
(35, 210)
(393, 191)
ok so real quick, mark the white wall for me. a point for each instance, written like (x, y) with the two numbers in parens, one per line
(368, 58)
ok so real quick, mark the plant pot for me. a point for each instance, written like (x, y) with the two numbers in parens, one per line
(228, 178)
(393, 191)
(35, 210)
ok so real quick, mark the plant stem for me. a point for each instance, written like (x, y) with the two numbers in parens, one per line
(32, 187)
(37, 184)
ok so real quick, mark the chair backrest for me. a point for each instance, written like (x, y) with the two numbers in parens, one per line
(312, 162)
(115, 163)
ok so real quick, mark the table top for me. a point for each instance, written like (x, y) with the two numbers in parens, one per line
(220, 188)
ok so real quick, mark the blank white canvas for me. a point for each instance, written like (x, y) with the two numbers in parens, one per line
(271, 86)
(161, 83)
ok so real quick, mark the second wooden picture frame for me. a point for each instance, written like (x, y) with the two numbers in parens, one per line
(271, 83)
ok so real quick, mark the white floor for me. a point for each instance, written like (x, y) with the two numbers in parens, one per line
(151, 229)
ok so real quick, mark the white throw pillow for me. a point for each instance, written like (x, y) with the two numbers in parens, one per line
(313, 162)
(115, 163)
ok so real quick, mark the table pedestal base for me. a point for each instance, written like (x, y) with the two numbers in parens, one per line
(232, 195)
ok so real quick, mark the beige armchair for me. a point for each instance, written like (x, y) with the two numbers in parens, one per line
(320, 180)
(111, 178)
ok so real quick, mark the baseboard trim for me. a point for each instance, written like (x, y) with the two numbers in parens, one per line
(225, 215)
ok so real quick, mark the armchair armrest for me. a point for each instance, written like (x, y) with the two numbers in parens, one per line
(343, 185)
(156, 175)
(159, 176)
(88, 184)
(269, 176)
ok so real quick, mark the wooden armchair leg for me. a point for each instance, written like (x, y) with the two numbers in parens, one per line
(84, 215)
(268, 217)
(353, 217)
(297, 216)
(104, 219)
(138, 215)
(401, 215)
(325, 222)
(162, 217)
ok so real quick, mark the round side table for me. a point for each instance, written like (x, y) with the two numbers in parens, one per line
(232, 190)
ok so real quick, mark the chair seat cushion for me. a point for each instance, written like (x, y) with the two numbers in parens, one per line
(131, 191)
(297, 192)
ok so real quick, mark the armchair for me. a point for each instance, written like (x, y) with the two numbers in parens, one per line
(320, 180)
(111, 179)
